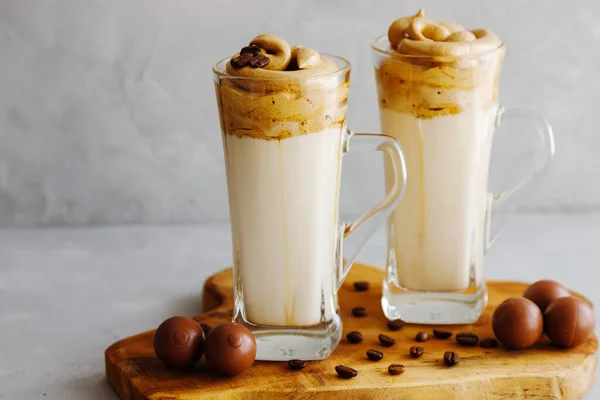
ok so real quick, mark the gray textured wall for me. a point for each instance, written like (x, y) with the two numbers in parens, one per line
(107, 111)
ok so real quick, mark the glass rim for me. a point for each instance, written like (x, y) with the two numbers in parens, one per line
(394, 54)
(344, 68)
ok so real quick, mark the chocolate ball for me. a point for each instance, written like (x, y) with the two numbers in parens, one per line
(179, 342)
(569, 321)
(517, 323)
(545, 292)
(230, 349)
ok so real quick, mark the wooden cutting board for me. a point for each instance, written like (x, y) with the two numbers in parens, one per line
(542, 372)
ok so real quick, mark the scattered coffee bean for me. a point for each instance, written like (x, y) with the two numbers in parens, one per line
(346, 372)
(239, 62)
(374, 355)
(296, 365)
(488, 343)
(253, 50)
(386, 340)
(396, 369)
(354, 337)
(467, 339)
(361, 286)
(260, 61)
(396, 324)
(206, 328)
(359, 312)
(442, 334)
(451, 358)
(422, 337)
(416, 351)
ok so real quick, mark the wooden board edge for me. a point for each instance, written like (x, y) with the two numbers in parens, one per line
(560, 386)
(118, 371)
(212, 297)
(592, 360)
(112, 374)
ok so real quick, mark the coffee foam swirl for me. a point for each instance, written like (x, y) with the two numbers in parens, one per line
(294, 65)
(418, 35)
(437, 67)
(292, 95)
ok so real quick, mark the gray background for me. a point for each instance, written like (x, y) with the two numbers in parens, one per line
(107, 111)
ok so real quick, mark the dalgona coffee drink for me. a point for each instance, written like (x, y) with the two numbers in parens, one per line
(283, 119)
(442, 109)
(437, 85)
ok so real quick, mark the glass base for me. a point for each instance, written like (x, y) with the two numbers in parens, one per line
(287, 343)
(434, 308)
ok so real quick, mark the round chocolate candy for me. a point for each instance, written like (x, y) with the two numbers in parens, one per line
(568, 321)
(230, 349)
(545, 292)
(179, 342)
(517, 323)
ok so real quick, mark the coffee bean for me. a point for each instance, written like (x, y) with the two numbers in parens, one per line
(239, 62)
(359, 312)
(488, 343)
(259, 61)
(396, 324)
(206, 328)
(416, 351)
(422, 337)
(467, 339)
(386, 340)
(252, 50)
(354, 337)
(451, 358)
(442, 334)
(346, 372)
(374, 355)
(361, 286)
(396, 369)
(296, 365)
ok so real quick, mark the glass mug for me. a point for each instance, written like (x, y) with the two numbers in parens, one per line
(283, 143)
(444, 111)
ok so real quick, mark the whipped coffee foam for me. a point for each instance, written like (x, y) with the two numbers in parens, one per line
(418, 35)
(286, 97)
(431, 62)
(283, 126)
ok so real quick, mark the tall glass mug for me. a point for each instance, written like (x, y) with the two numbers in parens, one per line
(284, 139)
(444, 111)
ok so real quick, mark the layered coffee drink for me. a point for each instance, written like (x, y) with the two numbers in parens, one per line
(283, 115)
(438, 94)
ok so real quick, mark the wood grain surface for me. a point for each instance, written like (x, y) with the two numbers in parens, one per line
(541, 372)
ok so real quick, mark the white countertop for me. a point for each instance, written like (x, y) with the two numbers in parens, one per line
(67, 294)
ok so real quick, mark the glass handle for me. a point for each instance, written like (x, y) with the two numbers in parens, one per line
(501, 205)
(354, 235)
